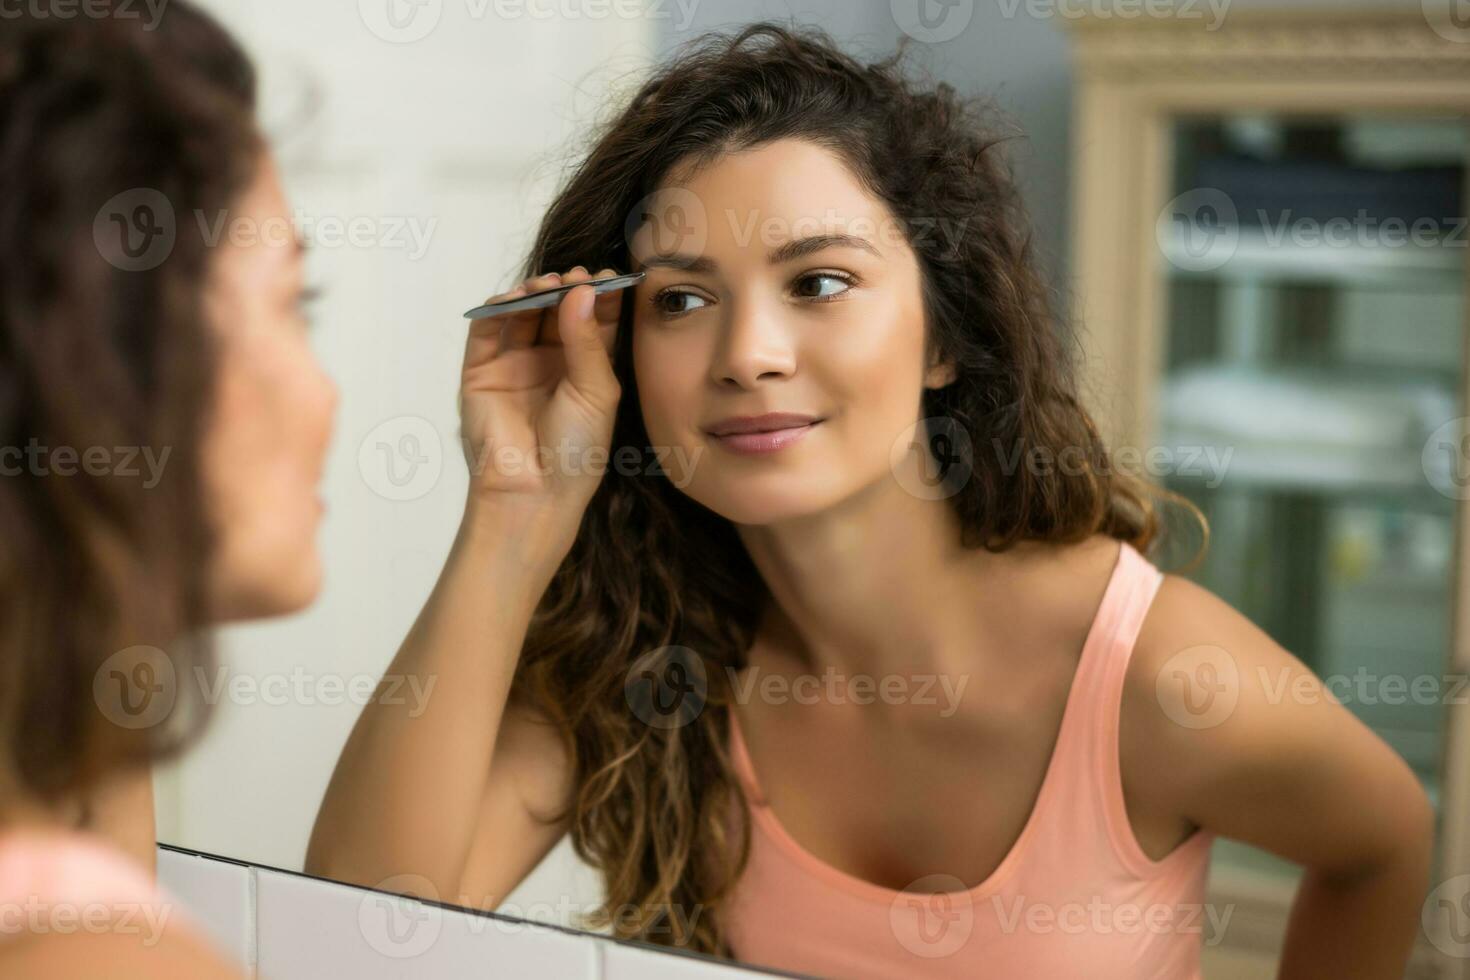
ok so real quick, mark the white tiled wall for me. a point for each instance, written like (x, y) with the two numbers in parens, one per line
(282, 926)
(621, 962)
(219, 895)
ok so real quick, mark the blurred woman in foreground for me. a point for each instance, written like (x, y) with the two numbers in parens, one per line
(143, 365)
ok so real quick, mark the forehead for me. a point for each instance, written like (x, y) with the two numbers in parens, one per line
(259, 235)
(758, 198)
(790, 174)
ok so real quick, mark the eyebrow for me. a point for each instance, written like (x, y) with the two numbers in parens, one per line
(785, 252)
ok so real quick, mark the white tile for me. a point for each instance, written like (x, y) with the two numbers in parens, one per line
(624, 962)
(218, 895)
(308, 929)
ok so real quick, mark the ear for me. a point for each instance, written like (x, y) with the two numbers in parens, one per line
(940, 375)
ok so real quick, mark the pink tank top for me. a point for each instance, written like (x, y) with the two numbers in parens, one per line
(1075, 896)
(57, 880)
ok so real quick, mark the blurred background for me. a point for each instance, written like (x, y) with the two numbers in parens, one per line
(1214, 192)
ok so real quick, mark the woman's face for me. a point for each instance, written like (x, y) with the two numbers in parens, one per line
(772, 318)
(272, 416)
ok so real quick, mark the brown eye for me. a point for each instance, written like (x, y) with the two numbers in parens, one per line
(661, 302)
(817, 277)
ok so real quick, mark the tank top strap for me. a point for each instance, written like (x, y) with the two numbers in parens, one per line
(1135, 582)
(1096, 777)
(1109, 641)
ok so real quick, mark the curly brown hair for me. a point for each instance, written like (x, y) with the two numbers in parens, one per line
(653, 573)
(104, 355)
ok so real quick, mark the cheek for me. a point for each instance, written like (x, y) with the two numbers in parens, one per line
(874, 375)
(261, 420)
(257, 403)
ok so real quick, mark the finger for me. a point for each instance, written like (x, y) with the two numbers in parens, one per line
(521, 329)
(483, 340)
(495, 322)
(609, 305)
(589, 368)
(548, 332)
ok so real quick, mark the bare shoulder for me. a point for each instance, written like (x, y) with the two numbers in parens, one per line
(82, 955)
(1239, 736)
(1184, 678)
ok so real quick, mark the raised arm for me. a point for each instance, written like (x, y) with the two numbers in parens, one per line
(442, 798)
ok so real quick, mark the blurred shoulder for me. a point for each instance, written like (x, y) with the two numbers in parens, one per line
(113, 955)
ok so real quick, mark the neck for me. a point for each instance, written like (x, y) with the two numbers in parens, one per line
(878, 584)
(118, 809)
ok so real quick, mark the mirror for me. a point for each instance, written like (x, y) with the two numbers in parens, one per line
(419, 145)
(422, 143)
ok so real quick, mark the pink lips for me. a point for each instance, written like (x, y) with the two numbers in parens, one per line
(760, 443)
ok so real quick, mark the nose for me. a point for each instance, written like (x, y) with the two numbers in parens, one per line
(756, 347)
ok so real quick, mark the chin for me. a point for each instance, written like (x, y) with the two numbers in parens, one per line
(288, 587)
(757, 505)
(301, 585)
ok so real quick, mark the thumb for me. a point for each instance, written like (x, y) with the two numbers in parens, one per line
(589, 368)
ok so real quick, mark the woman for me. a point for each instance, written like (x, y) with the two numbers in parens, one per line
(706, 655)
(142, 367)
